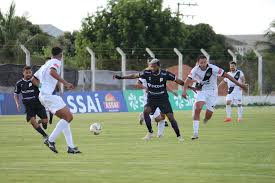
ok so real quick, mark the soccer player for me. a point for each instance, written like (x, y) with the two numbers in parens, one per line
(49, 75)
(31, 102)
(157, 95)
(234, 95)
(207, 75)
(157, 115)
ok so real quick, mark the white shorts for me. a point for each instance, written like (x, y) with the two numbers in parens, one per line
(52, 103)
(209, 97)
(234, 97)
(156, 114)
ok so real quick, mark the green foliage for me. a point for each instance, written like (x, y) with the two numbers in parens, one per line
(139, 24)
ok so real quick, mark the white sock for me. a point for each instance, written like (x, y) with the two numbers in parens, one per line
(161, 126)
(228, 111)
(240, 112)
(60, 126)
(68, 136)
(196, 125)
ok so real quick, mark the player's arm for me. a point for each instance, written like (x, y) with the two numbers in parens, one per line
(130, 76)
(56, 76)
(222, 84)
(17, 91)
(35, 81)
(139, 85)
(243, 86)
(188, 82)
(172, 91)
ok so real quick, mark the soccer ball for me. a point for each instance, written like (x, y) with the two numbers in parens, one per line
(96, 128)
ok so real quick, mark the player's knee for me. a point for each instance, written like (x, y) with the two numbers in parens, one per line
(228, 102)
(69, 117)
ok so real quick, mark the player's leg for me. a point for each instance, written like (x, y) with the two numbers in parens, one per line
(210, 107)
(141, 118)
(147, 110)
(160, 119)
(240, 111)
(228, 108)
(42, 114)
(196, 118)
(37, 127)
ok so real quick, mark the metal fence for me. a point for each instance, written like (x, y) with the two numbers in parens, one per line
(98, 73)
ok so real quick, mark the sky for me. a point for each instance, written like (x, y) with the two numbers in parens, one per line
(227, 17)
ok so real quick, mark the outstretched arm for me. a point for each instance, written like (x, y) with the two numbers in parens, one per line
(243, 86)
(187, 84)
(130, 76)
(54, 74)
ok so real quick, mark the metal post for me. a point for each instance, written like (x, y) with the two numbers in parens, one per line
(152, 55)
(260, 72)
(123, 66)
(27, 53)
(180, 69)
(234, 56)
(205, 54)
(62, 75)
(93, 61)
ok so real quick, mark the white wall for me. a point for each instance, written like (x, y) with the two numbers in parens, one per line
(251, 100)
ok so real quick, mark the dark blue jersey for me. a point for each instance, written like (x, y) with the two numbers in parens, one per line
(156, 83)
(29, 92)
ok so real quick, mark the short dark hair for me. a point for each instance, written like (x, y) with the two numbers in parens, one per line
(56, 51)
(48, 58)
(26, 67)
(201, 57)
(233, 62)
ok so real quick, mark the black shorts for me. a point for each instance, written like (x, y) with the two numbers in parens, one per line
(33, 110)
(164, 106)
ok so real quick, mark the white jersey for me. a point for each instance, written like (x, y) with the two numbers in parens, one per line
(231, 84)
(212, 73)
(145, 94)
(47, 82)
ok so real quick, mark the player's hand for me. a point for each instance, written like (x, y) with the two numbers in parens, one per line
(69, 86)
(184, 94)
(117, 77)
(193, 89)
(244, 87)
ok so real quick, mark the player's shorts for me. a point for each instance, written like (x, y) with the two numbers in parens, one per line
(163, 105)
(209, 97)
(155, 114)
(33, 110)
(234, 97)
(52, 103)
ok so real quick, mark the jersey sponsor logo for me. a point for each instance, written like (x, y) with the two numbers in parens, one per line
(160, 79)
(155, 86)
(111, 102)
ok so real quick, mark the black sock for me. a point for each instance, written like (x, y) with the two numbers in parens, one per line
(148, 123)
(51, 118)
(41, 131)
(175, 127)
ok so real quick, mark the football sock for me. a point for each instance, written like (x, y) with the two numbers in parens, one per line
(240, 112)
(60, 126)
(196, 125)
(68, 136)
(161, 126)
(51, 118)
(148, 123)
(175, 127)
(228, 111)
(41, 131)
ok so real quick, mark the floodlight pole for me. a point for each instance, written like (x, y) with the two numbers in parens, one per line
(93, 61)
(205, 54)
(27, 53)
(123, 66)
(260, 71)
(152, 55)
(180, 65)
(233, 55)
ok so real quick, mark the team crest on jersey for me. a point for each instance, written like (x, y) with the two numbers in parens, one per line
(149, 78)
(208, 74)
(160, 79)
(30, 84)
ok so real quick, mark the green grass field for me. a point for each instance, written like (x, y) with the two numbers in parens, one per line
(234, 152)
